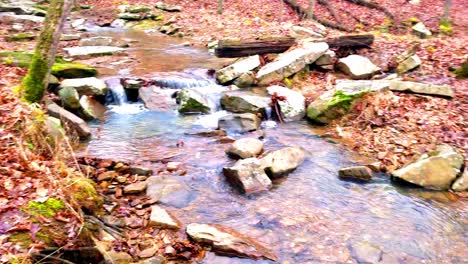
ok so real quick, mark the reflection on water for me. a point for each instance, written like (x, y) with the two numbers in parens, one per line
(309, 217)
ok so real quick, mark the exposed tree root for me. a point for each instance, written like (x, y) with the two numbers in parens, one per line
(303, 13)
(373, 6)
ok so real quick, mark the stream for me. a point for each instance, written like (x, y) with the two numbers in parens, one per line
(310, 216)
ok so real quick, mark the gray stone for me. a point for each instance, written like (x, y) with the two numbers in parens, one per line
(8, 18)
(235, 70)
(434, 170)
(156, 98)
(161, 218)
(191, 101)
(461, 184)
(283, 161)
(169, 29)
(96, 41)
(357, 67)
(131, 16)
(290, 62)
(86, 86)
(138, 9)
(69, 37)
(245, 80)
(356, 172)
(240, 122)
(245, 102)
(169, 191)
(363, 252)
(326, 59)
(245, 148)
(92, 108)
(293, 107)
(76, 123)
(422, 88)
(138, 170)
(92, 51)
(167, 7)
(248, 175)
(409, 64)
(118, 23)
(69, 97)
(421, 31)
(134, 188)
(224, 240)
(54, 128)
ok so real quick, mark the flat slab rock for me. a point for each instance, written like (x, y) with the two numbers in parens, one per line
(92, 51)
(240, 122)
(86, 86)
(161, 218)
(236, 69)
(169, 191)
(227, 241)
(71, 119)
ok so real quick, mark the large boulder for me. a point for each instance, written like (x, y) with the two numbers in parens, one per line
(239, 122)
(76, 123)
(292, 106)
(169, 191)
(92, 108)
(283, 161)
(92, 51)
(461, 184)
(161, 218)
(235, 70)
(191, 101)
(245, 102)
(435, 170)
(291, 62)
(69, 97)
(86, 86)
(357, 67)
(248, 175)
(245, 148)
(224, 240)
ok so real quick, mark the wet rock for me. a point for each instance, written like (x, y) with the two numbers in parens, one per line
(235, 70)
(240, 122)
(162, 219)
(245, 102)
(76, 123)
(245, 148)
(363, 252)
(173, 166)
(168, 7)
(357, 67)
(138, 170)
(248, 175)
(92, 51)
(283, 161)
(158, 99)
(92, 108)
(191, 101)
(293, 107)
(409, 64)
(224, 240)
(169, 191)
(421, 31)
(356, 172)
(133, 83)
(461, 184)
(245, 80)
(136, 187)
(434, 170)
(86, 86)
(69, 97)
(291, 62)
(421, 88)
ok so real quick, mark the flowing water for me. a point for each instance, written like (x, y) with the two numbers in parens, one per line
(308, 217)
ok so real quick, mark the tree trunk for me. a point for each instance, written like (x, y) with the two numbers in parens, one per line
(36, 81)
(220, 6)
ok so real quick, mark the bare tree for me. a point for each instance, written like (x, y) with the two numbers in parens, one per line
(37, 79)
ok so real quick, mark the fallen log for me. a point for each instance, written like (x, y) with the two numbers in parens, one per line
(240, 48)
(243, 48)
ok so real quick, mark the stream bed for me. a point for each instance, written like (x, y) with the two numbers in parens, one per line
(310, 216)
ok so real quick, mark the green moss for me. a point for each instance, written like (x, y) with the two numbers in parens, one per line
(41, 7)
(343, 100)
(83, 192)
(33, 85)
(445, 26)
(21, 37)
(46, 209)
(21, 59)
(462, 72)
(73, 70)
(146, 24)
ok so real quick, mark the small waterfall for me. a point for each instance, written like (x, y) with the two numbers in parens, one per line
(181, 80)
(118, 91)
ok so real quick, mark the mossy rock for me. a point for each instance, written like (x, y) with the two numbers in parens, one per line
(26, 36)
(192, 101)
(47, 209)
(462, 71)
(83, 192)
(61, 68)
(24, 239)
(146, 24)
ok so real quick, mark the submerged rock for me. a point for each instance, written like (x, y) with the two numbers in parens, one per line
(245, 102)
(191, 101)
(227, 241)
(92, 108)
(357, 172)
(248, 175)
(169, 191)
(76, 123)
(293, 106)
(283, 161)
(434, 170)
(357, 67)
(86, 86)
(240, 122)
(235, 70)
(290, 62)
(161, 218)
(363, 252)
(245, 148)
